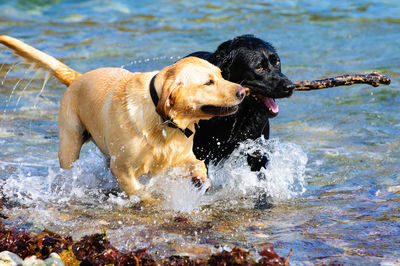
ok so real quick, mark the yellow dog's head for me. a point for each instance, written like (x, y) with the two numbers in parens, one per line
(194, 89)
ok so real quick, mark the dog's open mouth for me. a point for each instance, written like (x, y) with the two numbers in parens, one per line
(269, 103)
(219, 110)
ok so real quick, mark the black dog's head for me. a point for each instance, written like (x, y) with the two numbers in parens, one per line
(254, 64)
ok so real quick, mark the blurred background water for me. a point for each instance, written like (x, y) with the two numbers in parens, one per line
(335, 165)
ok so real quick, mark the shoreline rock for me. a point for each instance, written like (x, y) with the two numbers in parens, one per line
(12, 259)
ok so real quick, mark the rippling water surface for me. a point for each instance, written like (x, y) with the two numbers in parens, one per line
(334, 173)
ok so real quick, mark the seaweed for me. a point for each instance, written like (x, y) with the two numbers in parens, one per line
(235, 257)
(269, 257)
(96, 249)
(26, 244)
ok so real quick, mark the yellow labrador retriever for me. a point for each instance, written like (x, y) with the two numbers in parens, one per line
(142, 121)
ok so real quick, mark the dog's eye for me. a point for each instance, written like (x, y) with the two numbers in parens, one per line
(259, 69)
(273, 60)
(209, 83)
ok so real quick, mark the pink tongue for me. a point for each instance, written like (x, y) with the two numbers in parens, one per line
(270, 103)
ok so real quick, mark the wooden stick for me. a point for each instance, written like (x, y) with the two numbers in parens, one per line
(373, 79)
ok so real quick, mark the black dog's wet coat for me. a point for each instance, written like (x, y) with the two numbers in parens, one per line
(254, 64)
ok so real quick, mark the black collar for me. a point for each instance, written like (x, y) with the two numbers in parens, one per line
(168, 121)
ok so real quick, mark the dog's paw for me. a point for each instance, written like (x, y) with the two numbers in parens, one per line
(257, 160)
(263, 202)
(146, 199)
(201, 183)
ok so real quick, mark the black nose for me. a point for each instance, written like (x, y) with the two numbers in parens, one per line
(240, 93)
(288, 86)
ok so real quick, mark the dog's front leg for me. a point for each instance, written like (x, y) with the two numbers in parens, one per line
(129, 182)
(198, 172)
(126, 177)
(257, 160)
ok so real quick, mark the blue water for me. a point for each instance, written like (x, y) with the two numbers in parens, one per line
(335, 169)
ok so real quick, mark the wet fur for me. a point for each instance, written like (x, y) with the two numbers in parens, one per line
(238, 60)
(113, 107)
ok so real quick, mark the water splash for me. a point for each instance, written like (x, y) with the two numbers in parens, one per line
(47, 76)
(11, 94)
(87, 183)
(1, 67)
(154, 59)
(8, 72)
(14, 89)
(281, 179)
(24, 89)
(232, 180)
(90, 183)
(177, 191)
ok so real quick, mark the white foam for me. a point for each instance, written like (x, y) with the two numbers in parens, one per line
(89, 183)
(177, 191)
(281, 179)
(86, 183)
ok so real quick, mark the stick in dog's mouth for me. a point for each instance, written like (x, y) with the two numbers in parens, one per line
(374, 79)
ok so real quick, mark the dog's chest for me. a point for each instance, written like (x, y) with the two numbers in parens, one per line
(171, 150)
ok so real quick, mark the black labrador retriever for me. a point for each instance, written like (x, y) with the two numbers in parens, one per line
(254, 64)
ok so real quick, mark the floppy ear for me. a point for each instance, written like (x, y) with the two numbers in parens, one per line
(167, 99)
(217, 58)
(223, 57)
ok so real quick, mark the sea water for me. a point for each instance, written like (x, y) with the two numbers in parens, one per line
(332, 182)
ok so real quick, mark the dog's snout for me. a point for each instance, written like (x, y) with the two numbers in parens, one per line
(286, 85)
(288, 88)
(240, 93)
(289, 85)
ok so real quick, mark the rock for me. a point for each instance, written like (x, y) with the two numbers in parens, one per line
(54, 260)
(33, 261)
(9, 258)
